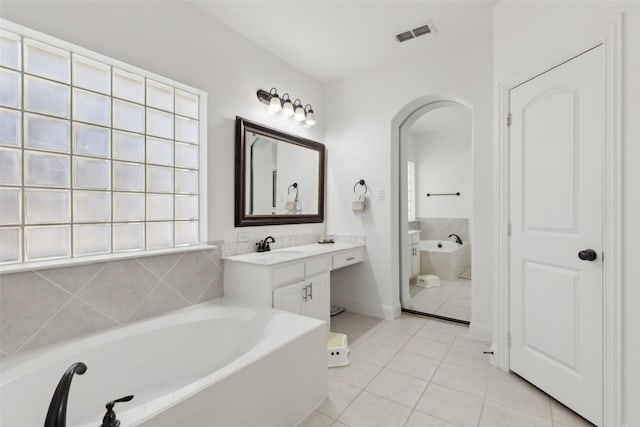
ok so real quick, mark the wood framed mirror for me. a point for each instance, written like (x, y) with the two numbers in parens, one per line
(279, 177)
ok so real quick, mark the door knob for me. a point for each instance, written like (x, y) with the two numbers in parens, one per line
(587, 255)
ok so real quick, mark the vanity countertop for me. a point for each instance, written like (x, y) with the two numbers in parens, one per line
(293, 253)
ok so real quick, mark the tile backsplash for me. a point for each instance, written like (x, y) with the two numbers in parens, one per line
(440, 228)
(42, 307)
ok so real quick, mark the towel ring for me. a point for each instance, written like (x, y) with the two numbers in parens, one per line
(295, 187)
(362, 183)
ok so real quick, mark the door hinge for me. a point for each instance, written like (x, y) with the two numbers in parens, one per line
(509, 339)
(509, 120)
(509, 230)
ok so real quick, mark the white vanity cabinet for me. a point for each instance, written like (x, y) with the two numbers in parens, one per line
(294, 280)
(414, 253)
(414, 250)
(309, 298)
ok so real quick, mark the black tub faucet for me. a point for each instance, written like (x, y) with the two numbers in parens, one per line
(458, 239)
(263, 245)
(110, 419)
(57, 413)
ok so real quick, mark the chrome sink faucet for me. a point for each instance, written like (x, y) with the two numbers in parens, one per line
(458, 239)
(263, 245)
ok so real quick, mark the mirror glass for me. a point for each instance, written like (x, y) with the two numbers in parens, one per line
(282, 178)
(279, 177)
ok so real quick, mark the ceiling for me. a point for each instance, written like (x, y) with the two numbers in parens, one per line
(332, 40)
(442, 119)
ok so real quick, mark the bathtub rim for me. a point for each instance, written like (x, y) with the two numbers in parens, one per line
(26, 363)
(443, 250)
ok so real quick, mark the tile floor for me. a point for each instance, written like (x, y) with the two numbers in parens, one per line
(418, 372)
(451, 299)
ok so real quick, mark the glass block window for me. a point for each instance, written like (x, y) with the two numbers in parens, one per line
(411, 186)
(96, 157)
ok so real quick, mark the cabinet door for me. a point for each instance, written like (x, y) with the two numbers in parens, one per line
(415, 261)
(318, 299)
(289, 298)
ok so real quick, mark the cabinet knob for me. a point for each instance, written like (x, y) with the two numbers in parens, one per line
(304, 296)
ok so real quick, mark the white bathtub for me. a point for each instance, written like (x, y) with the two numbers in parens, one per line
(212, 364)
(447, 261)
(432, 246)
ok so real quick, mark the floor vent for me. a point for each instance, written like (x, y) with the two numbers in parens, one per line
(416, 32)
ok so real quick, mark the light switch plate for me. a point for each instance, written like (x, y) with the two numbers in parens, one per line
(243, 236)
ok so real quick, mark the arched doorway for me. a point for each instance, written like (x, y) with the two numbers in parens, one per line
(414, 261)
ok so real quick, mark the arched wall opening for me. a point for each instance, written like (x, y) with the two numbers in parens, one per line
(400, 126)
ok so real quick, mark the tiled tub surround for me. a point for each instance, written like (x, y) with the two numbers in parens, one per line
(440, 228)
(38, 308)
(447, 263)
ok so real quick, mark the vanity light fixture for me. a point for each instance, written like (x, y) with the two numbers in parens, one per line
(301, 113)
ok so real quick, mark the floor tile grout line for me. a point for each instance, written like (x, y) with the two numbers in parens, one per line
(458, 343)
(518, 410)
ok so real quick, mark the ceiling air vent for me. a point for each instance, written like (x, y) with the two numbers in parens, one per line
(403, 37)
(416, 32)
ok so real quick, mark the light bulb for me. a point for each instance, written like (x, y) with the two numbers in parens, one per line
(287, 109)
(275, 106)
(299, 115)
(311, 118)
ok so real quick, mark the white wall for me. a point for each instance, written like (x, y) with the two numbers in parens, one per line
(443, 165)
(178, 41)
(358, 135)
(527, 31)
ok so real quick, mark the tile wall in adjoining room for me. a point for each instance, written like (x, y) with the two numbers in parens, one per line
(43, 307)
(440, 228)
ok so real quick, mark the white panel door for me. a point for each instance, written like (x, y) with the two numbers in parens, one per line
(556, 196)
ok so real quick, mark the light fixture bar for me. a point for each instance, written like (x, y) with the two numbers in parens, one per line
(275, 104)
(264, 96)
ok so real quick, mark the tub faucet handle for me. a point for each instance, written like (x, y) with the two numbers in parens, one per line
(110, 419)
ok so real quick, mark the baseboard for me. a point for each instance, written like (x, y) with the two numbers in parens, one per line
(381, 311)
(481, 332)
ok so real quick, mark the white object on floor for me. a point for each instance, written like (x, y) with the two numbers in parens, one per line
(337, 349)
(428, 281)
